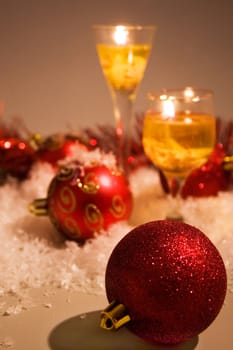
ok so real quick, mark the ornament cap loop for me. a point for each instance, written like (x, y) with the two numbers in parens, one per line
(114, 316)
(35, 141)
(39, 207)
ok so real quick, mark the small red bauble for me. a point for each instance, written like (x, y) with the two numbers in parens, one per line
(53, 155)
(55, 147)
(84, 200)
(209, 179)
(16, 157)
(170, 279)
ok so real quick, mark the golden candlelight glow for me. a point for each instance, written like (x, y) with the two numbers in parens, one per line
(188, 92)
(196, 99)
(163, 97)
(130, 57)
(188, 120)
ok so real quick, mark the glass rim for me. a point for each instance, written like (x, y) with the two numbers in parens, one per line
(177, 92)
(128, 26)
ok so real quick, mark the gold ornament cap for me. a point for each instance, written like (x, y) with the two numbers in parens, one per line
(114, 316)
(39, 207)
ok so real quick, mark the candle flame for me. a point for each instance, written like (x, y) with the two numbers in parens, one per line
(168, 109)
(120, 35)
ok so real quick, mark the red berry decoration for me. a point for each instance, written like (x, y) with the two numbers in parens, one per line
(169, 278)
(16, 157)
(84, 200)
(209, 179)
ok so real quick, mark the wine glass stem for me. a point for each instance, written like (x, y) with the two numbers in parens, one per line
(175, 186)
(123, 112)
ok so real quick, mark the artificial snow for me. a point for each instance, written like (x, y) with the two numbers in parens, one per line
(34, 255)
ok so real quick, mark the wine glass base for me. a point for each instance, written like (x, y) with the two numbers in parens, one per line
(174, 218)
(174, 208)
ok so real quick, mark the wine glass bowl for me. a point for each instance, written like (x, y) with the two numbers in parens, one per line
(179, 131)
(123, 53)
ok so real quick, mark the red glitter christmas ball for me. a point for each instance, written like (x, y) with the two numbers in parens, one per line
(84, 200)
(170, 278)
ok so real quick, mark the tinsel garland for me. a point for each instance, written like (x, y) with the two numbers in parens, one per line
(105, 138)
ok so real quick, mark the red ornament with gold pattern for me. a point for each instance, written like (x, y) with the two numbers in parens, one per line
(82, 201)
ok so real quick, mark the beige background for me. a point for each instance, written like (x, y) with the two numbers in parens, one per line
(49, 74)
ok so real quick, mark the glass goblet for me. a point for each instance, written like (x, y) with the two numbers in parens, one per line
(179, 133)
(123, 53)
